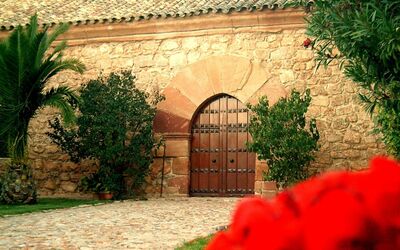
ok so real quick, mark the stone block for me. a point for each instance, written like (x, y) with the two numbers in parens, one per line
(144, 61)
(352, 137)
(68, 186)
(258, 187)
(269, 186)
(324, 159)
(337, 155)
(176, 103)
(269, 195)
(340, 123)
(219, 46)
(261, 54)
(51, 165)
(169, 45)
(193, 56)
(351, 154)
(286, 75)
(262, 45)
(253, 82)
(52, 149)
(269, 189)
(193, 82)
(344, 110)
(161, 61)
(50, 184)
(190, 43)
(65, 176)
(177, 60)
(157, 166)
(335, 89)
(178, 148)
(180, 182)
(333, 137)
(165, 122)
(180, 166)
(40, 175)
(171, 191)
(304, 55)
(274, 91)
(232, 73)
(280, 53)
(320, 101)
(260, 169)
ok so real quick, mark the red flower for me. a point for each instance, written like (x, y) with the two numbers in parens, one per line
(335, 211)
(338, 220)
(251, 216)
(307, 43)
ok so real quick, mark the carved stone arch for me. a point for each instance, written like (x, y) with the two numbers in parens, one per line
(233, 75)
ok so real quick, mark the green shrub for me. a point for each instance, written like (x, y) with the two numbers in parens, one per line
(103, 181)
(280, 137)
(115, 126)
(363, 36)
(3, 148)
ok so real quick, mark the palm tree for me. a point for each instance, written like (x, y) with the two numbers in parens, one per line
(26, 65)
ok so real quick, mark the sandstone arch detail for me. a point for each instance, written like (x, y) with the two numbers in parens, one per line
(233, 75)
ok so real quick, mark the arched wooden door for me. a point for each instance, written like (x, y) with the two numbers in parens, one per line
(220, 162)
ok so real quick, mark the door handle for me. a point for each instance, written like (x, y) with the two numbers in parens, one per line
(214, 161)
(232, 161)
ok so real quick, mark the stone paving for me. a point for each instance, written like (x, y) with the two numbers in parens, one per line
(152, 224)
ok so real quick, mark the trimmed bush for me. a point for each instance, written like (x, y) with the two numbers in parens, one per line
(280, 137)
(115, 127)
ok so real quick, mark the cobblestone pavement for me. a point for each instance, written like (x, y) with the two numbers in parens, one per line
(152, 224)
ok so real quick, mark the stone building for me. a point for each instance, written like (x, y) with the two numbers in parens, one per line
(209, 58)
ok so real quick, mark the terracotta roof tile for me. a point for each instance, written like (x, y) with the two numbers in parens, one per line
(14, 12)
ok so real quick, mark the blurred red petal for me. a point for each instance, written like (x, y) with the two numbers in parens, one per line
(338, 220)
(222, 241)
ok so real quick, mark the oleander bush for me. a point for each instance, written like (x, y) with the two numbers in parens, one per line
(364, 38)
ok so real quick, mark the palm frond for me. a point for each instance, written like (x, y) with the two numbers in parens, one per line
(64, 99)
(26, 65)
(57, 32)
(33, 27)
(368, 104)
(54, 67)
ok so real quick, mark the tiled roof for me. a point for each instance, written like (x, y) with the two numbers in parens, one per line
(14, 12)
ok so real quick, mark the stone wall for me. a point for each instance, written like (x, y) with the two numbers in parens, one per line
(346, 142)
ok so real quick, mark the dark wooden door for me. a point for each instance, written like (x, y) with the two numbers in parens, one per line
(220, 162)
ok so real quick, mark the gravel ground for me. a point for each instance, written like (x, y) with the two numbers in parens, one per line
(152, 224)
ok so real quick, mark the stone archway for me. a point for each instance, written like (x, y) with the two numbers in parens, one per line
(236, 76)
